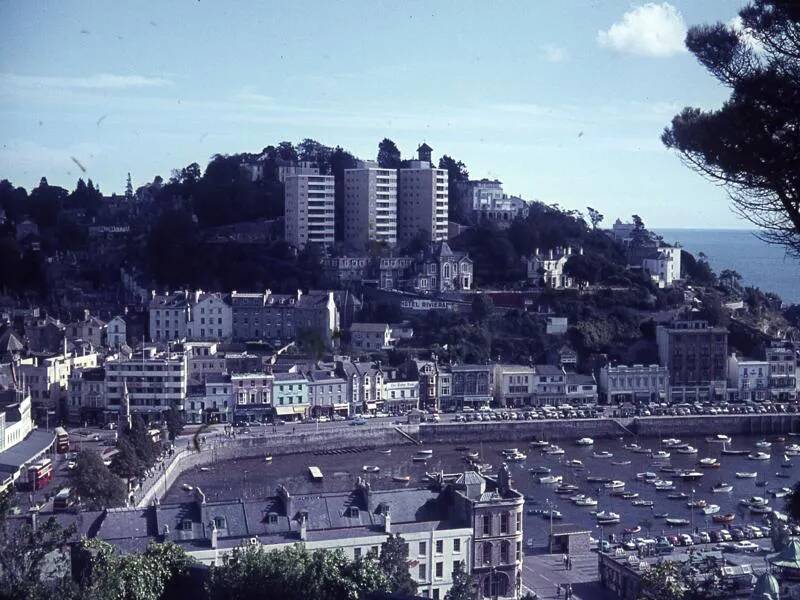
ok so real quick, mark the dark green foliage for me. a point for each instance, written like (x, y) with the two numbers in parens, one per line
(388, 155)
(175, 422)
(482, 307)
(749, 145)
(696, 271)
(462, 588)
(393, 561)
(95, 484)
(294, 573)
(127, 463)
(456, 174)
(31, 568)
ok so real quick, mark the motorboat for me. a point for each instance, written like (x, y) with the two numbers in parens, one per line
(760, 510)
(726, 518)
(746, 474)
(586, 501)
(781, 492)
(370, 468)
(711, 509)
(585, 441)
(677, 496)
(763, 445)
(792, 450)
(632, 530)
(660, 515)
(691, 475)
(473, 454)
(632, 447)
(641, 450)
(509, 451)
(602, 454)
(540, 470)
(720, 438)
(676, 522)
(607, 517)
(700, 503)
(687, 450)
(731, 452)
(615, 484)
(574, 464)
(554, 450)
(401, 478)
(516, 457)
(709, 463)
(754, 501)
(539, 444)
(549, 479)
(663, 486)
(620, 463)
(424, 458)
(552, 514)
(647, 476)
(597, 479)
(722, 488)
(660, 455)
(776, 439)
(628, 495)
(425, 452)
(643, 503)
(268, 458)
(787, 463)
(759, 456)
(566, 488)
(386, 452)
(671, 443)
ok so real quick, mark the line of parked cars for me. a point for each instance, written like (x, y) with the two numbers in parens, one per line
(724, 408)
(527, 415)
(733, 539)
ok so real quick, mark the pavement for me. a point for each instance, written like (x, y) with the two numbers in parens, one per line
(541, 573)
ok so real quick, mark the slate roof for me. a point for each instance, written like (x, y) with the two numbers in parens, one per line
(31, 447)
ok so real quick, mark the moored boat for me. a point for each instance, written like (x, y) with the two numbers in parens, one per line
(676, 522)
(711, 509)
(620, 463)
(607, 517)
(720, 438)
(602, 454)
(387, 451)
(615, 484)
(643, 503)
(574, 464)
(401, 478)
(370, 468)
(722, 487)
(585, 441)
(709, 463)
(586, 501)
(746, 474)
(550, 479)
(660, 455)
(726, 518)
(632, 530)
(539, 470)
(687, 450)
(759, 456)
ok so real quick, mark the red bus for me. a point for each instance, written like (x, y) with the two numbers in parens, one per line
(62, 440)
(40, 474)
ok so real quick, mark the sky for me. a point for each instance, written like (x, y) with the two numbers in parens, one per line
(564, 101)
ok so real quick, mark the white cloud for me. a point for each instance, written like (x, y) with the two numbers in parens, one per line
(100, 81)
(554, 54)
(745, 35)
(649, 30)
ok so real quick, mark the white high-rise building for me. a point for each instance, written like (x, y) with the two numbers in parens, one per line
(422, 200)
(309, 213)
(370, 206)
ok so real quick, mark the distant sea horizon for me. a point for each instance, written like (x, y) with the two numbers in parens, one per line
(761, 265)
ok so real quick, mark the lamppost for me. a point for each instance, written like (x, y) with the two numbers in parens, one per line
(692, 509)
(244, 485)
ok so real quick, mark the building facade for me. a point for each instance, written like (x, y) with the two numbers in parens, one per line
(290, 396)
(546, 269)
(636, 384)
(696, 357)
(309, 210)
(370, 206)
(422, 201)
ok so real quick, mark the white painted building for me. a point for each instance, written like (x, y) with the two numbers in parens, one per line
(546, 269)
(116, 332)
(634, 383)
(368, 337)
(210, 317)
(513, 385)
(309, 210)
(422, 200)
(663, 264)
(750, 378)
(46, 378)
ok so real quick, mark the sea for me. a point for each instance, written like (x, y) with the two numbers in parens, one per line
(760, 264)
(255, 479)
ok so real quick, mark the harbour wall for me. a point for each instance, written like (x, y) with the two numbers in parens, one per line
(219, 448)
(572, 429)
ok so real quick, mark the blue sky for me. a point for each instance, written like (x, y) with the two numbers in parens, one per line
(563, 100)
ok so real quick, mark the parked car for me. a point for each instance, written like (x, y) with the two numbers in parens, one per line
(746, 546)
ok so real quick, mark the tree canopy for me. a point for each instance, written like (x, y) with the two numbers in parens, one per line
(749, 145)
(96, 485)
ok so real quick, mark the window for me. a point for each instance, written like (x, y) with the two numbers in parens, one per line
(487, 524)
(439, 570)
(504, 551)
(487, 553)
(519, 521)
(503, 523)
(421, 571)
(439, 546)
(357, 553)
(457, 545)
(423, 547)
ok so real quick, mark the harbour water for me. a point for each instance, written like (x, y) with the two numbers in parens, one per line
(255, 478)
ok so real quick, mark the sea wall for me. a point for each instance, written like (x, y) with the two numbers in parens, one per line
(219, 448)
(572, 429)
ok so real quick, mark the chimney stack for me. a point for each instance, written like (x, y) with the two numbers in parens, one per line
(387, 521)
(165, 533)
(303, 527)
(214, 535)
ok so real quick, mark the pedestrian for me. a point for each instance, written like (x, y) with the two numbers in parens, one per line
(569, 563)
(558, 590)
(565, 561)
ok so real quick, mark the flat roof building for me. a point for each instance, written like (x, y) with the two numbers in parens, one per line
(370, 206)
(309, 210)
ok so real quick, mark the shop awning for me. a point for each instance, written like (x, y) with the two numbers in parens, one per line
(289, 410)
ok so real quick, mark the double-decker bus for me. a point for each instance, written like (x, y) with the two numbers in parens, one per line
(40, 474)
(62, 440)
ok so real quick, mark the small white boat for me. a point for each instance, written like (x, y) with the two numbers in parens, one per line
(554, 450)
(709, 463)
(620, 463)
(759, 456)
(632, 447)
(401, 478)
(586, 501)
(711, 509)
(676, 521)
(388, 451)
(602, 454)
(550, 479)
(660, 455)
(781, 492)
(647, 476)
(691, 475)
(671, 442)
(516, 457)
(585, 441)
(746, 474)
(662, 485)
(187, 488)
(614, 485)
(268, 458)
(754, 501)
(760, 510)
(643, 503)
(540, 444)
(687, 450)
(763, 445)
(425, 452)
(641, 450)
(574, 463)
(607, 517)
(792, 450)
(539, 470)
(473, 454)
(722, 488)
(315, 473)
(720, 438)
(371, 468)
